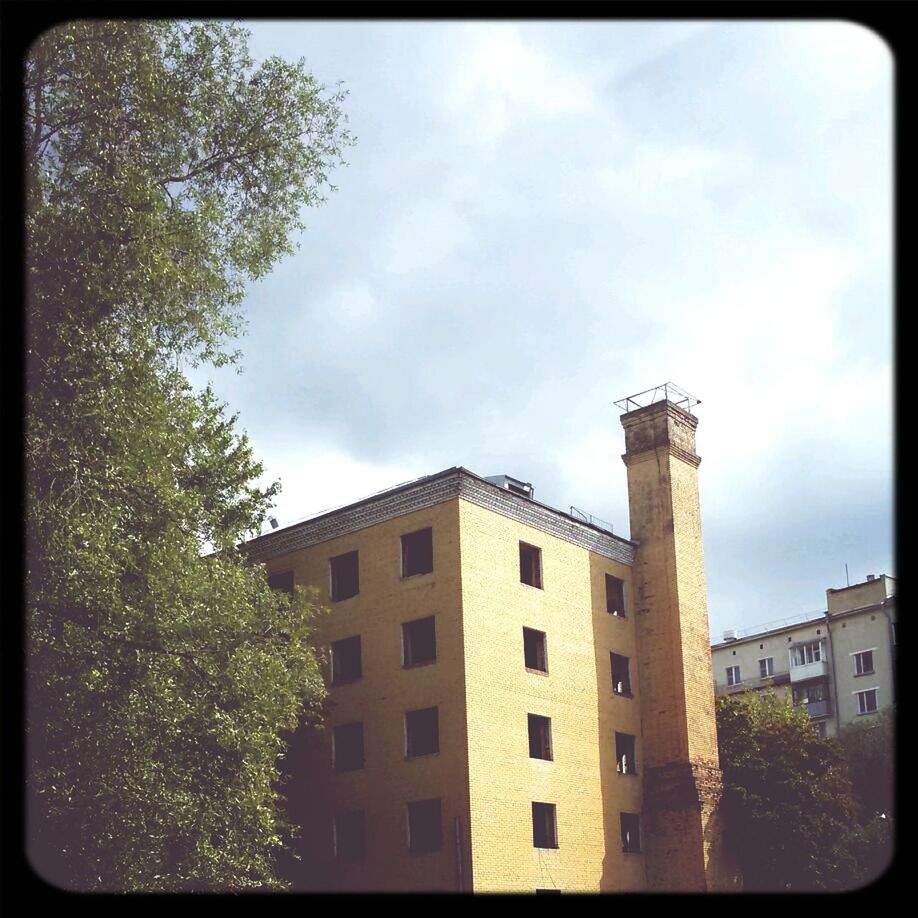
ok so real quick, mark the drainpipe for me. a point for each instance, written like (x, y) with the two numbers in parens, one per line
(836, 715)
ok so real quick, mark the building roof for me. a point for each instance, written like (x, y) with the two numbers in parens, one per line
(434, 489)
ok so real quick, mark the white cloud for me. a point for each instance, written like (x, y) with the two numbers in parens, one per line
(499, 79)
(318, 478)
(424, 233)
(353, 304)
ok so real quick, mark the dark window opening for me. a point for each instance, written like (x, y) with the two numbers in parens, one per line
(631, 833)
(346, 662)
(615, 596)
(417, 553)
(548, 892)
(539, 737)
(625, 756)
(425, 832)
(351, 835)
(348, 747)
(621, 680)
(530, 565)
(544, 826)
(345, 576)
(419, 642)
(422, 732)
(282, 582)
(534, 650)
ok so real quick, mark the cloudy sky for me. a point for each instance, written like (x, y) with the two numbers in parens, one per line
(540, 218)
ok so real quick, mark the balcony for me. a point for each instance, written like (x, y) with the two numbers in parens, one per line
(819, 708)
(755, 684)
(817, 670)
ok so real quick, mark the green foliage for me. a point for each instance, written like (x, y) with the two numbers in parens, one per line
(868, 747)
(788, 802)
(164, 170)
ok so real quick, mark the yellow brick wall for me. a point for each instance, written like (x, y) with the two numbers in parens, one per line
(380, 699)
(576, 694)
(684, 850)
(694, 632)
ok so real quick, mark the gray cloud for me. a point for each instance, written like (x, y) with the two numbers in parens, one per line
(542, 217)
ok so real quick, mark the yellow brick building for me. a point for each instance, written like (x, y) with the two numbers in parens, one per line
(521, 701)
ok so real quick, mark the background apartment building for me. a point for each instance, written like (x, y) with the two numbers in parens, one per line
(520, 699)
(839, 664)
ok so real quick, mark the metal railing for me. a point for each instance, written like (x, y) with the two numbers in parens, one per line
(592, 520)
(667, 391)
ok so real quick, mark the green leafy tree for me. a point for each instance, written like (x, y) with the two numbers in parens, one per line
(164, 171)
(790, 815)
(868, 747)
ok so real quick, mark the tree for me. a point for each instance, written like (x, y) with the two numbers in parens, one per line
(868, 747)
(164, 171)
(788, 802)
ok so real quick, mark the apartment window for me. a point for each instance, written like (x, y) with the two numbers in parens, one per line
(539, 737)
(419, 642)
(733, 675)
(544, 826)
(346, 663)
(530, 565)
(282, 581)
(422, 732)
(417, 553)
(615, 596)
(625, 757)
(863, 662)
(345, 576)
(621, 679)
(351, 835)
(347, 747)
(767, 667)
(425, 830)
(631, 833)
(534, 650)
(801, 654)
(867, 701)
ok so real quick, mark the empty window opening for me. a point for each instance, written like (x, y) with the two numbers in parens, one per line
(534, 650)
(615, 596)
(733, 675)
(346, 662)
(767, 667)
(419, 642)
(625, 756)
(282, 581)
(530, 565)
(863, 662)
(544, 826)
(425, 831)
(417, 553)
(867, 701)
(631, 833)
(347, 747)
(345, 576)
(422, 732)
(539, 737)
(621, 678)
(351, 835)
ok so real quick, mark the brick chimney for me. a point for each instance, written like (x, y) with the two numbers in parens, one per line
(682, 778)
